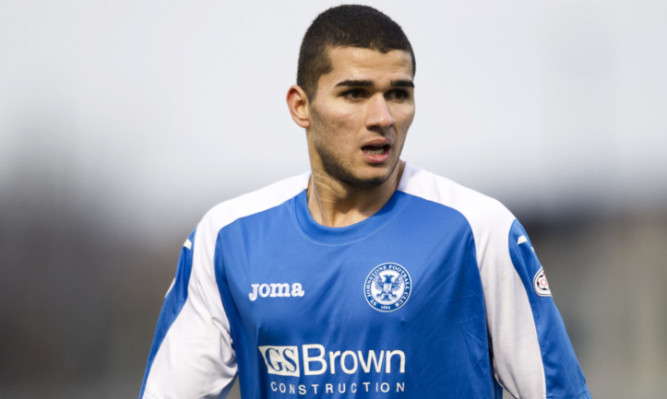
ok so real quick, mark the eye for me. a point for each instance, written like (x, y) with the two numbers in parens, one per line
(355, 94)
(398, 94)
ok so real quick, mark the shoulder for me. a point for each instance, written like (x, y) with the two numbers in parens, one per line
(485, 214)
(254, 202)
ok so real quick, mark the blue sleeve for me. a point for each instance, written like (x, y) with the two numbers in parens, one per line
(564, 378)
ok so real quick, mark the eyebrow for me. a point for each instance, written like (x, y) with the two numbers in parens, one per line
(402, 83)
(369, 83)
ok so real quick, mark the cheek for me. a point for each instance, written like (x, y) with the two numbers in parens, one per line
(404, 119)
(341, 125)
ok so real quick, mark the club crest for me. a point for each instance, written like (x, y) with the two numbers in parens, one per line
(387, 287)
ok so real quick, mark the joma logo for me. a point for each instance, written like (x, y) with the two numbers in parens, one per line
(275, 290)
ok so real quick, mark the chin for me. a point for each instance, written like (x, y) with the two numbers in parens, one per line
(369, 180)
(364, 176)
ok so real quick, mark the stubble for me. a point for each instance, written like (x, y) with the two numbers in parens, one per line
(338, 168)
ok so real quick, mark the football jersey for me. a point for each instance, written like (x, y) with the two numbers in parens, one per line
(437, 295)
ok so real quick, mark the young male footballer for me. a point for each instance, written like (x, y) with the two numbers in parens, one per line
(366, 277)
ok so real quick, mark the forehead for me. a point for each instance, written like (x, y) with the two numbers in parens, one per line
(367, 64)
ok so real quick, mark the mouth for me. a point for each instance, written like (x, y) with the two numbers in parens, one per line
(377, 153)
(376, 149)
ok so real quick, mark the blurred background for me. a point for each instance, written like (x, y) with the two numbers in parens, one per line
(122, 122)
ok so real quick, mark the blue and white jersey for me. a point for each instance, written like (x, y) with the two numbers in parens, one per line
(437, 295)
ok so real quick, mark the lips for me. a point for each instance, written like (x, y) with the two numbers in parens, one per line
(375, 149)
(377, 153)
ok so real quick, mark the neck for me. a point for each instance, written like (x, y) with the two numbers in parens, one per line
(334, 203)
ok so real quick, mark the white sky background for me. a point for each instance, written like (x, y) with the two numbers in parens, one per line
(158, 109)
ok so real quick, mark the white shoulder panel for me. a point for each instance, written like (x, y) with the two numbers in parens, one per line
(254, 202)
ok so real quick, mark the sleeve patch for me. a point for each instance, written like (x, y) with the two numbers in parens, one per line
(541, 284)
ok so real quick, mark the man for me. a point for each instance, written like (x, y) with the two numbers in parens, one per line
(366, 277)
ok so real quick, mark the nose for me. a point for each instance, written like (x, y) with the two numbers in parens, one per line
(379, 113)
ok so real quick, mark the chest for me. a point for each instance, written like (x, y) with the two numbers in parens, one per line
(402, 278)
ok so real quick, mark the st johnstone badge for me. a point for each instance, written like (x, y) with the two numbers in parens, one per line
(387, 287)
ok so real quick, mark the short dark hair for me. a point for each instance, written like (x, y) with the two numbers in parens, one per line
(341, 26)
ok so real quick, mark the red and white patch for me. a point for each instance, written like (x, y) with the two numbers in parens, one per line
(541, 284)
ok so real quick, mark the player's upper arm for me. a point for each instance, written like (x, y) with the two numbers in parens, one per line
(533, 356)
(191, 354)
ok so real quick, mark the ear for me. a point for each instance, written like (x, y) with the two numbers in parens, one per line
(297, 102)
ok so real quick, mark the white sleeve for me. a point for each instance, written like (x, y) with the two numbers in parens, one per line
(532, 353)
(192, 354)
